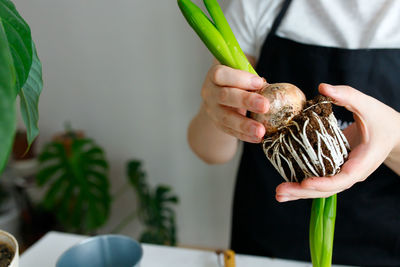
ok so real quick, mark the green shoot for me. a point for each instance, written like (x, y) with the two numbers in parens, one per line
(316, 229)
(322, 228)
(207, 32)
(329, 230)
(223, 27)
(218, 37)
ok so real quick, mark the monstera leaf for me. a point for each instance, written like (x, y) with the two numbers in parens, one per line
(76, 173)
(16, 68)
(155, 208)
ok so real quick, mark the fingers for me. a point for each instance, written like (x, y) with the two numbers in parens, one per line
(229, 87)
(237, 98)
(352, 135)
(227, 98)
(239, 126)
(241, 136)
(356, 169)
(294, 191)
(353, 100)
(348, 97)
(370, 143)
(227, 77)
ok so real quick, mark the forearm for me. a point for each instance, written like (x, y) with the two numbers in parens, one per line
(393, 161)
(208, 142)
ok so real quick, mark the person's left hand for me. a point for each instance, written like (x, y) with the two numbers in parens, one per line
(372, 137)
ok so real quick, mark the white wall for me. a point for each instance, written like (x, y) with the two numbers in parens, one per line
(128, 72)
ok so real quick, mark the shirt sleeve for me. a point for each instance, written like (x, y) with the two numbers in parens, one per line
(242, 18)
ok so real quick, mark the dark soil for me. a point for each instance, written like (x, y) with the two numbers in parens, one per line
(323, 110)
(6, 255)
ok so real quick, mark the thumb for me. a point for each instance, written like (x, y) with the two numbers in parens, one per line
(353, 100)
(347, 97)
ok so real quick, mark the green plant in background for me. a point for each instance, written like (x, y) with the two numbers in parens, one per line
(76, 172)
(20, 75)
(154, 208)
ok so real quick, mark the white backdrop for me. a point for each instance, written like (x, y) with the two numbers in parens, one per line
(128, 73)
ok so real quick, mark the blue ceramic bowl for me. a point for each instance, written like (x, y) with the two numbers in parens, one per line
(103, 251)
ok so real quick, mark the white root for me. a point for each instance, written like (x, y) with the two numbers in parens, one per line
(312, 162)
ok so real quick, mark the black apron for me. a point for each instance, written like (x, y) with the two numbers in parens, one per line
(368, 214)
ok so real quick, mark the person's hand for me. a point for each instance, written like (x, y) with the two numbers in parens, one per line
(372, 137)
(227, 96)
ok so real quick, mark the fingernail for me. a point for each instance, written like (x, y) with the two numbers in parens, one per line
(331, 88)
(283, 198)
(264, 80)
(257, 82)
(253, 130)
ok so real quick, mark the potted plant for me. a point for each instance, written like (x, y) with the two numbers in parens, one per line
(75, 170)
(20, 75)
(9, 221)
(9, 254)
(154, 208)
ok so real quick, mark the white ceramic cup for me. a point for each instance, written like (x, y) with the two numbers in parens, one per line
(10, 240)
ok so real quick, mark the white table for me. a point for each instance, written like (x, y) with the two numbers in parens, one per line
(46, 251)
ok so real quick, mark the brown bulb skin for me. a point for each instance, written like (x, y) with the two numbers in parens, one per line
(286, 101)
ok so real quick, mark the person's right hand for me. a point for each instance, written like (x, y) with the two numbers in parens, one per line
(227, 95)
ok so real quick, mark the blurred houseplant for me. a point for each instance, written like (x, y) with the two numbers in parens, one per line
(20, 75)
(76, 172)
(9, 212)
(154, 208)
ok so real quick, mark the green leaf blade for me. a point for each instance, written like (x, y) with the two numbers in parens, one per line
(19, 39)
(7, 98)
(51, 197)
(29, 98)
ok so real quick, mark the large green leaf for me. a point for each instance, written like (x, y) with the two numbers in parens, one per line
(78, 184)
(29, 97)
(7, 98)
(19, 39)
(15, 65)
